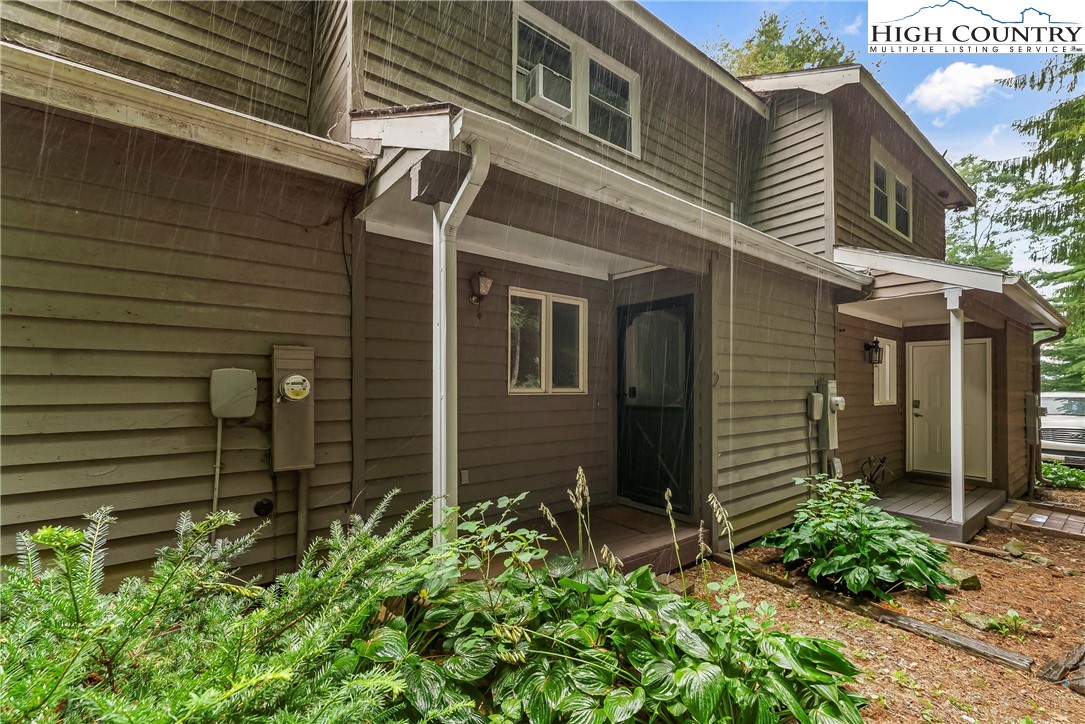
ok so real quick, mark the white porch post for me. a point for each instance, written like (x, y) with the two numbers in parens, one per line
(956, 404)
(445, 433)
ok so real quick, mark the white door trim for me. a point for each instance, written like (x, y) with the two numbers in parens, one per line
(909, 347)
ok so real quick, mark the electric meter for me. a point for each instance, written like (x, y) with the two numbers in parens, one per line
(294, 388)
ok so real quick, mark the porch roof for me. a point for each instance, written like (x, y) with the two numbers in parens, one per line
(911, 290)
(404, 136)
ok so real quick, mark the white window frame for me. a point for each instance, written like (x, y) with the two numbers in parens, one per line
(546, 351)
(885, 373)
(894, 172)
(582, 53)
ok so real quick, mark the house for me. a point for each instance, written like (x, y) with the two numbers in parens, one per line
(499, 241)
(954, 400)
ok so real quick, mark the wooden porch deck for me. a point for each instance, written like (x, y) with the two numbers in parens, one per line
(636, 536)
(928, 505)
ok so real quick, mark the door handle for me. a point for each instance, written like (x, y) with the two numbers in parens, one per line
(917, 414)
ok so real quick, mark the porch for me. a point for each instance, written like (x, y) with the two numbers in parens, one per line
(637, 537)
(929, 505)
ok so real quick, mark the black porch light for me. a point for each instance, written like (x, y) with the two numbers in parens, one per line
(480, 288)
(875, 354)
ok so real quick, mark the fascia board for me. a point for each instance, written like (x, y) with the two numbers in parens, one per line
(1025, 296)
(61, 84)
(537, 158)
(690, 53)
(913, 266)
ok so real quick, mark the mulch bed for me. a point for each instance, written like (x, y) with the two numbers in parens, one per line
(909, 678)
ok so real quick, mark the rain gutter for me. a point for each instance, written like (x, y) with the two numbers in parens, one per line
(446, 221)
(58, 83)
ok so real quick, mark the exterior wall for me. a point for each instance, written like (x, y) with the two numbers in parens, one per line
(133, 266)
(461, 52)
(1000, 440)
(855, 122)
(329, 102)
(508, 443)
(867, 430)
(1019, 384)
(252, 57)
(789, 194)
(772, 338)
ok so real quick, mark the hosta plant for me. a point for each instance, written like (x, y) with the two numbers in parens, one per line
(1064, 476)
(848, 543)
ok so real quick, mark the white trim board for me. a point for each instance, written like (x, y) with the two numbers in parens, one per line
(68, 86)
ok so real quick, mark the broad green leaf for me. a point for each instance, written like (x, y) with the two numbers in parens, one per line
(690, 641)
(583, 709)
(658, 680)
(622, 704)
(472, 659)
(701, 687)
(786, 695)
(592, 679)
(386, 644)
(422, 685)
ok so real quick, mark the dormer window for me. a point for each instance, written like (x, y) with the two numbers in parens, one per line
(560, 75)
(890, 191)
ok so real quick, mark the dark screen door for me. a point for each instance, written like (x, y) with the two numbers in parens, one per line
(655, 367)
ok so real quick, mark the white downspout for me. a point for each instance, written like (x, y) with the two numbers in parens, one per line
(446, 222)
(956, 404)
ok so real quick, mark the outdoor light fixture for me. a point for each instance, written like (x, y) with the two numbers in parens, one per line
(480, 287)
(875, 355)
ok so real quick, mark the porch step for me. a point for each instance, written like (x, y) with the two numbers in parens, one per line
(1038, 518)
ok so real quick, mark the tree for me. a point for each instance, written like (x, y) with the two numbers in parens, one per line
(770, 49)
(981, 235)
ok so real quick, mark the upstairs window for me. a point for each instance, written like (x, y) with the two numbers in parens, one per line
(890, 192)
(548, 343)
(562, 76)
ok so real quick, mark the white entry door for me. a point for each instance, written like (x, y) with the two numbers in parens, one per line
(928, 407)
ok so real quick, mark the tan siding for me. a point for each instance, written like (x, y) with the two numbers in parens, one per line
(330, 98)
(1019, 385)
(867, 430)
(855, 121)
(788, 193)
(461, 52)
(132, 267)
(772, 340)
(246, 56)
(508, 443)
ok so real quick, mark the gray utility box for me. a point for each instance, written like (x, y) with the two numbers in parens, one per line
(292, 409)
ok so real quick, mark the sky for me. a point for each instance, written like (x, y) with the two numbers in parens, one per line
(953, 99)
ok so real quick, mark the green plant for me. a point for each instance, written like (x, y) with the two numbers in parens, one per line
(848, 543)
(1011, 623)
(1064, 476)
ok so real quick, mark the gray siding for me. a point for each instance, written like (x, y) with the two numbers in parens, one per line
(773, 339)
(252, 57)
(133, 266)
(329, 101)
(461, 52)
(1019, 383)
(867, 430)
(789, 195)
(508, 443)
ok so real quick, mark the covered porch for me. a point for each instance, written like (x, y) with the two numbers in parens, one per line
(955, 383)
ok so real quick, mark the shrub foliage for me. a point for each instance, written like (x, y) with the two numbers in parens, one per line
(382, 627)
(848, 543)
(1064, 476)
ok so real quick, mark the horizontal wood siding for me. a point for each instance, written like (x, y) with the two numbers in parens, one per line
(772, 341)
(856, 120)
(461, 52)
(867, 430)
(1019, 385)
(252, 57)
(329, 101)
(133, 266)
(788, 193)
(508, 443)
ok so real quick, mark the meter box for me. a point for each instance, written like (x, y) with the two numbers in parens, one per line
(292, 409)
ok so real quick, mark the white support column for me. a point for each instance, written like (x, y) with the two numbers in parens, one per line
(956, 404)
(445, 437)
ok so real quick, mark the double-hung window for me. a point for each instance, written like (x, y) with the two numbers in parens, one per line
(548, 343)
(890, 191)
(561, 75)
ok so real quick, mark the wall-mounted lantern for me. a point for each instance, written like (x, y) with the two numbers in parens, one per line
(875, 354)
(480, 288)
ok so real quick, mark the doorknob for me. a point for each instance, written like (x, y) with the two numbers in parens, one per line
(917, 414)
